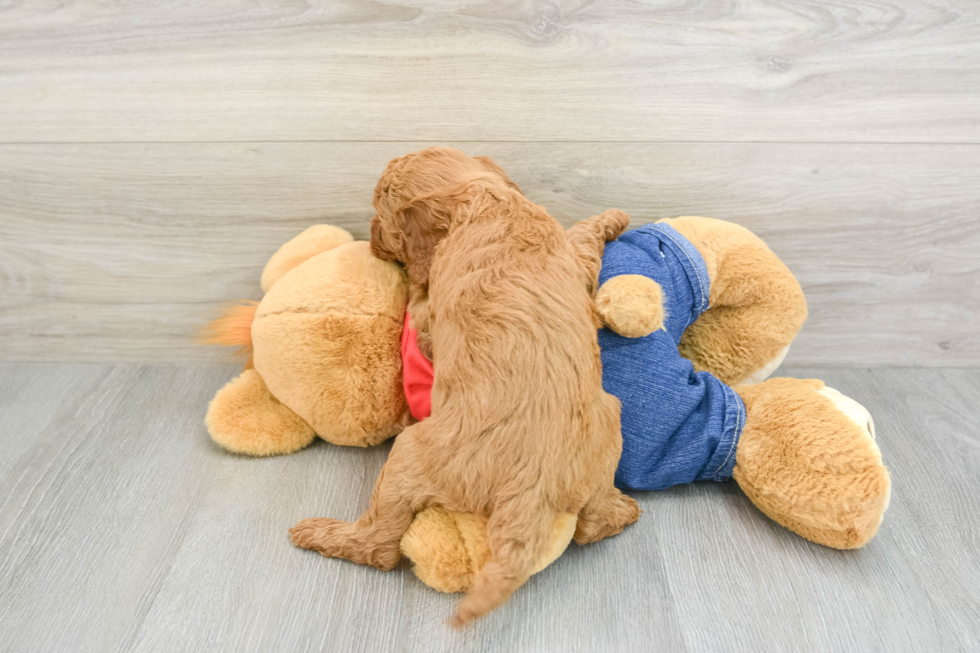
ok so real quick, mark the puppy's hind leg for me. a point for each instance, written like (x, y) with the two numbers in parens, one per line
(589, 238)
(607, 513)
(374, 538)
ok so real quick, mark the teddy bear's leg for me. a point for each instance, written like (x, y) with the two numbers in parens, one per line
(245, 418)
(315, 240)
(736, 343)
(807, 458)
(447, 549)
(756, 305)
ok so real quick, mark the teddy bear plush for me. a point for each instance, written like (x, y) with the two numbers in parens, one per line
(698, 313)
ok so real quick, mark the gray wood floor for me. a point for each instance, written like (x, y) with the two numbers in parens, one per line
(122, 528)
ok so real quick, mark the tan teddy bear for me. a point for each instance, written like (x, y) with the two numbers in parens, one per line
(326, 360)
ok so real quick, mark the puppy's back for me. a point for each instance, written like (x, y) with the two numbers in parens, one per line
(514, 334)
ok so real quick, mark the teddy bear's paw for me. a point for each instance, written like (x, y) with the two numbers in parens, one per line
(446, 549)
(245, 418)
(631, 305)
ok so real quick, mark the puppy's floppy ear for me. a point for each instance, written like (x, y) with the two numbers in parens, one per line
(425, 221)
(380, 246)
(491, 166)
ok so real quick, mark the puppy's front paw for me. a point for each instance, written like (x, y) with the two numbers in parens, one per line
(314, 534)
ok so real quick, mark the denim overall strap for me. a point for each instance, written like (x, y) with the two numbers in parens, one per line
(691, 259)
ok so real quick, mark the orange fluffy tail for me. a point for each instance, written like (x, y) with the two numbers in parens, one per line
(521, 531)
(233, 329)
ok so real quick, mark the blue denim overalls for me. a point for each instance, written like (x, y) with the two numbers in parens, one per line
(678, 425)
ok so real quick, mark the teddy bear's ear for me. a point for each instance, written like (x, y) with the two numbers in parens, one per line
(315, 240)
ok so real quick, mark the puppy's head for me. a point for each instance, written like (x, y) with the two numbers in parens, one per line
(417, 198)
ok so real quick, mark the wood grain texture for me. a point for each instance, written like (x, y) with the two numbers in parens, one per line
(118, 252)
(236, 70)
(122, 528)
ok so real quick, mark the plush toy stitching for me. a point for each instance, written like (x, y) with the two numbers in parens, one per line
(697, 272)
(738, 429)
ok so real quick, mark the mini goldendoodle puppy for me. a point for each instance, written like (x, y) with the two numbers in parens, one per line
(521, 428)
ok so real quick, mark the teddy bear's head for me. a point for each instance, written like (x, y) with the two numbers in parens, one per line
(326, 341)
(326, 356)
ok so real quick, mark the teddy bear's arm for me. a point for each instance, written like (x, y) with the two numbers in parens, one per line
(245, 418)
(448, 549)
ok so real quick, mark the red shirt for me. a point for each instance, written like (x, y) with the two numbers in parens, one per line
(416, 374)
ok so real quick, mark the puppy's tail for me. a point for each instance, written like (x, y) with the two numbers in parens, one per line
(233, 329)
(520, 533)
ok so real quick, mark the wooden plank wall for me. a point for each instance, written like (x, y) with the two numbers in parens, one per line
(153, 156)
